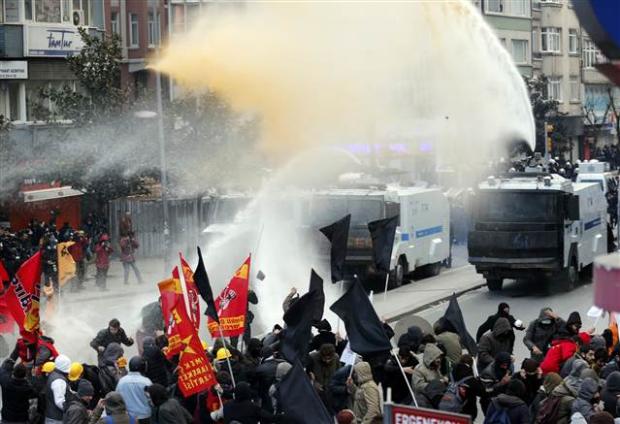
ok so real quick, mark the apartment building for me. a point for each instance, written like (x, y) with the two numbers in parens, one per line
(512, 22)
(36, 37)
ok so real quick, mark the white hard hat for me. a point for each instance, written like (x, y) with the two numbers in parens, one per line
(63, 363)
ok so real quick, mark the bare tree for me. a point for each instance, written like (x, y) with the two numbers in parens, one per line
(615, 110)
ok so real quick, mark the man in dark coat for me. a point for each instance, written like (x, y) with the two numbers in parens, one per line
(243, 410)
(113, 334)
(501, 339)
(167, 410)
(540, 332)
(512, 401)
(503, 311)
(156, 362)
(16, 392)
(611, 393)
(76, 409)
(531, 376)
(394, 377)
(266, 376)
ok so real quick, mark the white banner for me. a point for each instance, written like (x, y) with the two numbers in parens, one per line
(13, 69)
(47, 41)
(348, 356)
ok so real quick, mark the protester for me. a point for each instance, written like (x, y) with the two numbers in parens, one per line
(16, 392)
(503, 311)
(366, 396)
(76, 411)
(501, 339)
(103, 250)
(129, 244)
(113, 334)
(115, 410)
(56, 390)
(510, 403)
(540, 332)
(429, 369)
(587, 400)
(132, 388)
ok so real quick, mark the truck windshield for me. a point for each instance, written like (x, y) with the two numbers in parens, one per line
(517, 207)
(362, 211)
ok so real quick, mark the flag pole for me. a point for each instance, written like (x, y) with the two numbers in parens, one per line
(341, 291)
(415, 402)
(387, 279)
(232, 376)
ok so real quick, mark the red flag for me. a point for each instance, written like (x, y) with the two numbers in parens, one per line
(232, 304)
(192, 292)
(195, 371)
(171, 295)
(22, 297)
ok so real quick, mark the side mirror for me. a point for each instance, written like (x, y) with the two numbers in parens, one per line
(571, 203)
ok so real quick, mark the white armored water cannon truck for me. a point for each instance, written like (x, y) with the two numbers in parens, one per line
(535, 225)
(422, 241)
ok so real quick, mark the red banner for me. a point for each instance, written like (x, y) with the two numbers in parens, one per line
(171, 295)
(192, 292)
(195, 371)
(22, 297)
(232, 304)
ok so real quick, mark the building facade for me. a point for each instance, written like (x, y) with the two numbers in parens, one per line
(36, 37)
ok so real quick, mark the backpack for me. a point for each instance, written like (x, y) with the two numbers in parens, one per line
(451, 401)
(499, 415)
(549, 411)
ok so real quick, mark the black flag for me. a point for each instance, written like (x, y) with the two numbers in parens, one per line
(364, 329)
(338, 234)
(455, 317)
(300, 402)
(316, 284)
(204, 287)
(298, 331)
(382, 233)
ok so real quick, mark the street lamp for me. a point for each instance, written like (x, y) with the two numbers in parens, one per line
(149, 114)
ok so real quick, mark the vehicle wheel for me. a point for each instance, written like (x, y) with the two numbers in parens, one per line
(433, 269)
(570, 277)
(398, 275)
(495, 284)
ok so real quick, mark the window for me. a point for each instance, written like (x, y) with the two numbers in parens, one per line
(550, 40)
(573, 41)
(554, 88)
(494, 6)
(519, 51)
(115, 27)
(153, 29)
(11, 10)
(519, 8)
(575, 88)
(28, 9)
(589, 54)
(47, 10)
(134, 32)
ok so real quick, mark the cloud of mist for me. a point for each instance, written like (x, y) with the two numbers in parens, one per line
(335, 72)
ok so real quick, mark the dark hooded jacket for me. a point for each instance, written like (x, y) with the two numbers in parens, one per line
(583, 403)
(610, 393)
(501, 339)
(243, 410)
(115, 408)
(550, 382)
(396, 381)
(492, 319)
(411, 339)
(431, 395)
(167, 410)
(540, 332)
(339, 395)
(16, 394)
(156, 368)
(491, 378)
(512, 403)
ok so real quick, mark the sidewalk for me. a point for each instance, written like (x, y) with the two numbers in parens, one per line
(421, 294)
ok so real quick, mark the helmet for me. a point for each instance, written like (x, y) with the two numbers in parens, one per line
(48, 367)
(222, 354)
(75, 372)
(121, 362)
(63, 363)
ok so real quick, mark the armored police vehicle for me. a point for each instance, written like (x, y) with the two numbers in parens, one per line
(535, 225)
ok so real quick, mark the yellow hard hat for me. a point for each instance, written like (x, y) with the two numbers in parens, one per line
(48, 367)
(222, 354)
(75, 372)
(121, 362)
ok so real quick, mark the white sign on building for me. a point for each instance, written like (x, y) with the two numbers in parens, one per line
(46, 41)
(13, 69)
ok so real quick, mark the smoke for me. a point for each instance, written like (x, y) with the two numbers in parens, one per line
(340, 72)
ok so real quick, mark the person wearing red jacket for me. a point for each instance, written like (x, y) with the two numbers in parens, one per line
(78, 252)
(564, 346)
(103, 250)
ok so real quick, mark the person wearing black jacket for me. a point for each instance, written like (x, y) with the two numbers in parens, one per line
(503, 311)
(394, 377)
(113, 334)
(156, 363)
(243, 410)
(167, 410)
(16, 392)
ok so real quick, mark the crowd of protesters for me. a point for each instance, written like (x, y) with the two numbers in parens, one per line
(572, 375)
